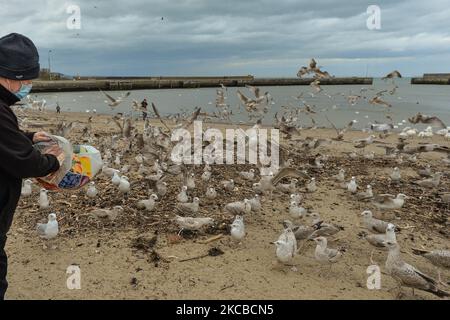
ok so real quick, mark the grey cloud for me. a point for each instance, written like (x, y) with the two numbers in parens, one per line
(264, 38)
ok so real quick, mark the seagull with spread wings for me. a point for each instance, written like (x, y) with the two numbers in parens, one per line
(115, 102)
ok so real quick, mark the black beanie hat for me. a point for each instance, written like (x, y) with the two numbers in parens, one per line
(19, 58)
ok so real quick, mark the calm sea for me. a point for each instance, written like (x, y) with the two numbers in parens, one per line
(407, 101)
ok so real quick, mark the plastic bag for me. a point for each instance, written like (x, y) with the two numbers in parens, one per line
(81, 163)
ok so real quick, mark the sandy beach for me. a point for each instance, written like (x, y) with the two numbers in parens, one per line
(139, 255)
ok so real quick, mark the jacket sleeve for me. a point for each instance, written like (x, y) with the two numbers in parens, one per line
(29, 135)
(18, 158)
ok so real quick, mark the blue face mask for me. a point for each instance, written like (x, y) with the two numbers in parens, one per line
(23, 91)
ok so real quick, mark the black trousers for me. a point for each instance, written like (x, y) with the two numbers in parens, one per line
(3, 268)
(6, 217)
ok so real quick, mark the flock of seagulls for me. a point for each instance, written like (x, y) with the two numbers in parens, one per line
(151, 164)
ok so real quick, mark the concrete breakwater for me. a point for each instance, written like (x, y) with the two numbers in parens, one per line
(181, 82)
(432, 78)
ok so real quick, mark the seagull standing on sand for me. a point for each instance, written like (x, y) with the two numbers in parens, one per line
(115, 178)
(396, 175)
(407, 275)
(26, 188)
(296, 211)
(50, 229)
(311, 186)
(190, 207)
(92, 191)
(148, 204)
(432, 182)
(439, 258)
(211, 193)
(365, 195)
(389, 202)
(325, 255)
(372, 224)
(352, 186)
(239, 207)
(286, 246)
(379, 240)
(340, 177)
(193, 224)
(182, 196)
(255, 203)
(124, 185)
(238, 228)
(44, 203)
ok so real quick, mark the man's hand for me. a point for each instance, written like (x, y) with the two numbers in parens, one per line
(41, 136)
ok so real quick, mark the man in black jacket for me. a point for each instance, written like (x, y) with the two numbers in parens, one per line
(19, 64)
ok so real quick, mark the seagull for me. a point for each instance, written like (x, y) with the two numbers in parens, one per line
(422, 118)
(432, 182)
(362, 143)
(301, 232)
(311, 186)
(352, 186)
(193, 224)
(323, 254)
(115, 178)
(426, 172)
(382, 127)
(115, 102)
(182, 196)
(296, 197)
(91, 191)
(388, 201)
(288, 188)
(340, 177)
(43, 199)
(161, 188)
(378, 100)
(190, 181)
(316, 86)
(396, 175)
(106, 213)
(124, 185)
(211, 193)
(189, 207)
(239, 207)
(296, 211)
(379, 240)
(323, 229)
(286, 246)
(372, 224)
(392, 75)
(228, 184)
(365, 195)
(303, 71)
(238, 228)
(148, 204)
(117, 160)
(248, 175)
(439, 258)
(48, 230)
(255, 203)
(26, 188)
(407, 275)
(206, 175)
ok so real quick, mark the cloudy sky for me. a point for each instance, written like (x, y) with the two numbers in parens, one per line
(211, 37)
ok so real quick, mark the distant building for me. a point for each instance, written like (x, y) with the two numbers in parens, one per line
(44, 74)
